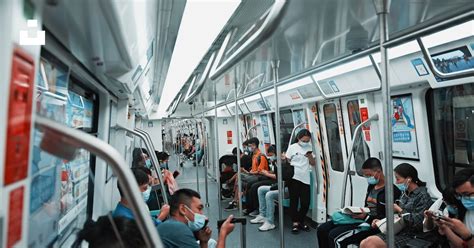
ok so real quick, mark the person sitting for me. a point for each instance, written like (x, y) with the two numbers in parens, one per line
(267, 178)
(123, 209)
(245, 166)
(374, 200)
(140, 158)
(413, 202)
(259, 164)
(163, 159)
(459, 231)
(187, 217)
(110, 232)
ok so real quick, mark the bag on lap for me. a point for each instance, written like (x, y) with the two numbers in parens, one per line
(343, 219)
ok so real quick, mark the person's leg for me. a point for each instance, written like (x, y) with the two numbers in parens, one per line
(252, 196)
(304, 201)
(270, 198)
(357, 238)
(294, 197)
(323, 233)
(262, 191)
(338, 230)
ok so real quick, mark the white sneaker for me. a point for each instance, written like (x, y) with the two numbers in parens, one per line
(259, 219)
(266, 226)
(255, 213)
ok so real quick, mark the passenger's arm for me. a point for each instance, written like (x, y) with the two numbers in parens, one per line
(268, 174)
(226, 228)
(263, 164)
(311, 159)
(454, 240)
(415, 218)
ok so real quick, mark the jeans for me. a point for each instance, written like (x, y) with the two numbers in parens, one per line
(266, 200)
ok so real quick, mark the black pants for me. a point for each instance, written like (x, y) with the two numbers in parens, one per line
(252, 194)
(329, 232)
(299, 193)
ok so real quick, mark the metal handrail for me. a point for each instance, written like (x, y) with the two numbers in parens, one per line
(294, 129)
(346, 167)
(77, 139)
(436, 72)
(268, 25)
(154, 159)
(248, 131)
(202, 80)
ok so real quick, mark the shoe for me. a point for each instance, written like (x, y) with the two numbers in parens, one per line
(266, 227)
(259, 219)
(254, 213)
(232, 206)
(295, 229)
(245, 212)
(304, 227)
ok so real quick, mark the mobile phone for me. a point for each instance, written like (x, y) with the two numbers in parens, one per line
(438, 215)
(309, 152)
(205, 224)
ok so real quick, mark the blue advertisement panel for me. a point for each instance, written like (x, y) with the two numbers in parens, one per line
(405, 144)
(265, 129)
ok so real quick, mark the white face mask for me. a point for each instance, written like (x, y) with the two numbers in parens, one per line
(304, 144)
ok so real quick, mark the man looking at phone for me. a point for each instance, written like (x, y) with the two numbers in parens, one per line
(459, 232)
(187, 218)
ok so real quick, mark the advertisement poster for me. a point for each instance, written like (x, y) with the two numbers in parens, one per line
(265, 129)
(405, 144)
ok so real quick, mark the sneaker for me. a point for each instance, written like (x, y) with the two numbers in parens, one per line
(266, 226)
(245, 212)
(254, 213)
(232, 206)
(258, 220)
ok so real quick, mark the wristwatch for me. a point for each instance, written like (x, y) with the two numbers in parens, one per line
(468, 238)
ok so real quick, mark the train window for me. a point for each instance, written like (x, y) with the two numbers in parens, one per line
(451, 119)
(286, 127)
(334, 138)
(361, 149)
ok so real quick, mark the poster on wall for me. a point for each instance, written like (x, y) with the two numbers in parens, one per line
(265, 129)
(405, 144)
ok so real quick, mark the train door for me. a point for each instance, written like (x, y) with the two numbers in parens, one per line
(334, 149)
(361, 152)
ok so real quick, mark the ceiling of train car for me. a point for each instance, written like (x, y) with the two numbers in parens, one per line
(113, 38)
(314, 32)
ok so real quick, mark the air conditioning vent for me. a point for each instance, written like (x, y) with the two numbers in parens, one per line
(325, 87)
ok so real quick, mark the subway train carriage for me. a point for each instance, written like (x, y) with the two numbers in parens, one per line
(236, 123)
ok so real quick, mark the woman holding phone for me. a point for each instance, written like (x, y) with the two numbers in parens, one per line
(301, 158)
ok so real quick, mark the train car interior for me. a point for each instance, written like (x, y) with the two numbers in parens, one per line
(236, 123)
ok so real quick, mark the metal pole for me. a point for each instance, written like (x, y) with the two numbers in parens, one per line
(195, 157)
(382, 8)
(216, 156)
(281, 188)
(67, 139)
(237, 137)
(204, 158)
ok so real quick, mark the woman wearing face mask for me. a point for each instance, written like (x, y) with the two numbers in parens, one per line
(414, 201)
(329, 232)
(301, 158)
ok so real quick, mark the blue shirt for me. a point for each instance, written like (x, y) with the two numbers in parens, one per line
(122, 211)
(176, 234)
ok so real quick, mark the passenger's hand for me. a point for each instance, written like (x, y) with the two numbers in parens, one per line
(227, 227)
(374, 223)
(204, 235)
(457, 226)
(164, 212)
(397, 208)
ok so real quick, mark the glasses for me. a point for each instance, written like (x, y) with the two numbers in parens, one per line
(469, 196)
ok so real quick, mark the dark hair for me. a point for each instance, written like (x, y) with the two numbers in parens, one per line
(372, 164)
(182, 196)
(162, 156)
(144, 169)
(449, 196)
(140, 176)
(254, 141)
(463, 176)
(101, 233)
(407, 170)
(137, 158)
(271, 149)
(245, 143)
(302, 133)
(234, 151)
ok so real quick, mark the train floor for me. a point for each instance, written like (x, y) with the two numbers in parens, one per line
(254, 237)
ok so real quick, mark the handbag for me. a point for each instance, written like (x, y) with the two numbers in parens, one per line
(339, 218)
(398, 224)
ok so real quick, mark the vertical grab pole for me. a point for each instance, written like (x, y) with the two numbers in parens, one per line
(281, 188)
(195, 157)
(204, 158)
(237, 138)
(382, 8)
(216, 156)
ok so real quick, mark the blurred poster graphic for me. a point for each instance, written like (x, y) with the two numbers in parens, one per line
(405, 144)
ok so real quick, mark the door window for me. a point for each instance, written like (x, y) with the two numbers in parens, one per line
(361, 149)
(333, 135)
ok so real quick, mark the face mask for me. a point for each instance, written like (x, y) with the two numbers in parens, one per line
(468, 202)
(250, 149)
(452, 210)
(402, 186)
(273, 158)
(198, 223)
(304, 144)
(148, 163)
(146, 194)
(164, 165)
(372, 180)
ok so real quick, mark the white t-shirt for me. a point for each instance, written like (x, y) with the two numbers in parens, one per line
(469, 220)
(296, 155)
